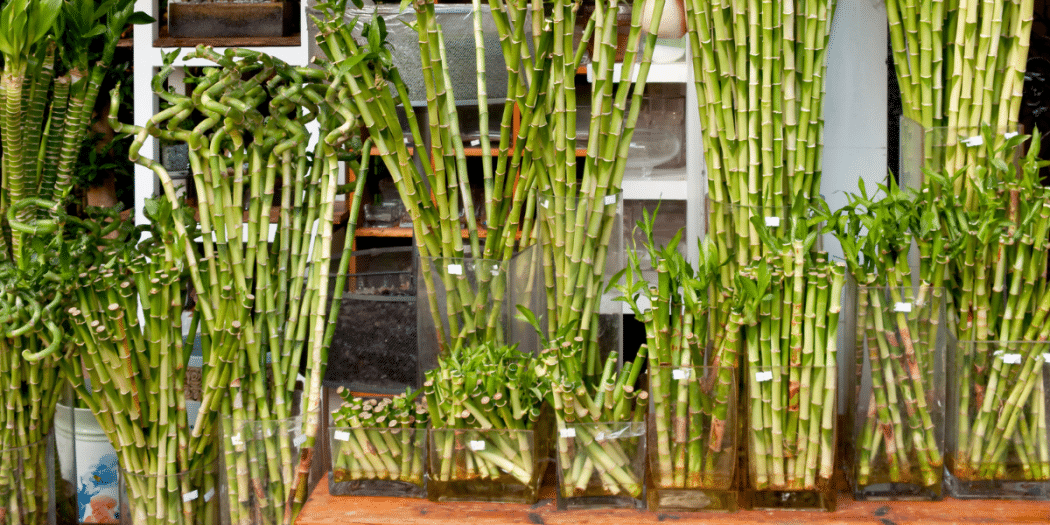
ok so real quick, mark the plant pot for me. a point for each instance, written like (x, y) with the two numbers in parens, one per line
(797, 474)
(692, 454)
(465, 301)
(260, 459)
(896, 448)
(601, 465)
(89, 463)
(998, 441)
(27, 483)
(375, 348)
(185, 498)
(377, 462)
(231, 19)
(487, 465)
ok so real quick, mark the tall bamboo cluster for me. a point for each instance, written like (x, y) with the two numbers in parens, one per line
(999, 287)
(960, 65)
(131, 373)
(760, 78)
(260, 284)
(692, 406)
(786, 308)
(900, 333)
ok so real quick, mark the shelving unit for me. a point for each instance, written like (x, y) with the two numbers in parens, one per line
(151, 43)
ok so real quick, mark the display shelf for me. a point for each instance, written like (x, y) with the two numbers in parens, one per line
(166, 40)
(324, 509)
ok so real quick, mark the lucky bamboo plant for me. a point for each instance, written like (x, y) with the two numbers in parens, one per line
(260, 283)
(901, 333)
(379, 439)
(760, 73)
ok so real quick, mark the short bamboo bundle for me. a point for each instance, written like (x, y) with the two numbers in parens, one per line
(961, 66)
(900, 307)
(787, 308)
(132, 375)
(600, 426)
(261, 296)
(1000, 290)
(690, 409)
(484, 403)
(379, 439)
(760, 85)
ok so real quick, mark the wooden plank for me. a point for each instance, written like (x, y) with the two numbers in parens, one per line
(324, 509)
(165, 40)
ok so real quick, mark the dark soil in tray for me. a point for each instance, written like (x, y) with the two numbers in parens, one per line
(374, 348)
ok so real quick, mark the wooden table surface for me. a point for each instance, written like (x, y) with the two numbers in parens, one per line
(324, 509)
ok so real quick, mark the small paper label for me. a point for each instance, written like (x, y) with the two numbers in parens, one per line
(477, 445)
(189, 496)
(600, 436)
(475, 143)
(495, 272)
(762, 377)
(1010, 135)
(1046, 358)
(299, 440)
(236, 440)
(567, 432)
(681, 373)
(610, 199)
(902, 307)
(1012, 359)
(773, 222)
(209, 495)
(341, 435)
(455, 269)
(973, 141)
(543, 203)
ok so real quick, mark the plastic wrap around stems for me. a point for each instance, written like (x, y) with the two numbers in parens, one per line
(693, 440)
(488, 464)
(998, 444)
(27, 483)
(896, 405)
(582, 244)
(796, 476)
(604, 465)
(942, 149)
(185, 498)
(464, 301)
(259, 461)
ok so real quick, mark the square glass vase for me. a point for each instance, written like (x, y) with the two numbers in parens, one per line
(27, 482)
(600, 465)
(897, 396)
(187, 498)
(793, 472)
(259, 463)
(495, 465)
(998, 443)
(692, 443)
(378, 462)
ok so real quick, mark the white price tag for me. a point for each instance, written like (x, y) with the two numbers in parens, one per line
(973, 141)
(209, 495)
(567, 432)
(772, 222)
(600, 436)
(236, 440)
(1046, 358)
(1012, 359)
(475, 143)
(1010, 135)
(902, 307)
(341, 435)
(610, 199)
(299, 440)
(455, 269)
(495, 272)
(476, 445)
(681, 373)
(762, 377)
(189, 496)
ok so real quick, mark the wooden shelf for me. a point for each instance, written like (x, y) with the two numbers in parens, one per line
(325, 509)
(166, 40)
(340, 213)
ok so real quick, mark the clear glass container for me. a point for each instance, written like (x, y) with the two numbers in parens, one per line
(896, 405)
(940, 148)
(185, 498)
(600, 465)
(692, 443)
(377, 461)
(998, 443)
(27, 483)
(260, 463)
